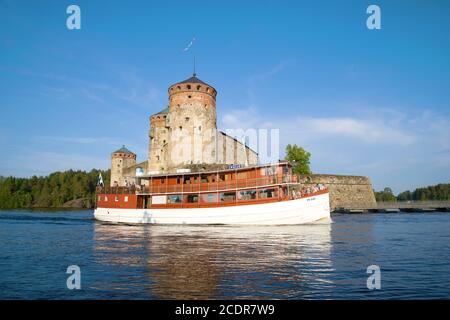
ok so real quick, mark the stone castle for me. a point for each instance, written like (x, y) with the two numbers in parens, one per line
(183, 136)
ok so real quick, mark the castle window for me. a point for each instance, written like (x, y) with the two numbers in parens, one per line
(199, 128)
(198, 87)
(179, 88)
(181, 128)
(164, 141)
(188, 86)
(187, 119)
(189, 96)
(157, 158)
(207, 90)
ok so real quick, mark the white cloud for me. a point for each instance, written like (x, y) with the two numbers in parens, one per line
(371, 131)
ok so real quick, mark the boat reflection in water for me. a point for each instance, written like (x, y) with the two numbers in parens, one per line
(213, 262)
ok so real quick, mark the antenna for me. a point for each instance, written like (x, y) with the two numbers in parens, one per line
(194, 74)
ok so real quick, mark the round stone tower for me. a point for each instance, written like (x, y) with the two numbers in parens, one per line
(121, 159)
(191, 120)
(159, 141)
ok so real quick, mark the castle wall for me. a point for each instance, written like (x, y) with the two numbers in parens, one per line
(345, 191)
(233, 151)
(120, 161)
(159, 142)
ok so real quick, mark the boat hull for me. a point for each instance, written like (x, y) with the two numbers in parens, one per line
(299, 211)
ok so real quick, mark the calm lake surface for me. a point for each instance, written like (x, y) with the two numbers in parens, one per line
(325, 261)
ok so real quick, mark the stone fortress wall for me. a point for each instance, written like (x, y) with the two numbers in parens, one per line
(345, 191)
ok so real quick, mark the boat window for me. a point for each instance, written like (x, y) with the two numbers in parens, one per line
(204, 178)
(178, 180)
(99, 198)
(192, 198)
(213, 178)
(227, 196)
(247, 195)
(221, 177)
(174, 198)
(267, 193)
(162, 180)
(116, 198)
(125, 199)
(106, 198)
(187, 180)
(209, 197)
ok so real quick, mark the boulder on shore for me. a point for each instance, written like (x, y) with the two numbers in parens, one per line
(78, 203)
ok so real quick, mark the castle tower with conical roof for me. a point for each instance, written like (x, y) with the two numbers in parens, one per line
(120, 160)
(184, 133)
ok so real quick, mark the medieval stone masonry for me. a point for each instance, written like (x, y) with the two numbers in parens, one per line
(184, 136)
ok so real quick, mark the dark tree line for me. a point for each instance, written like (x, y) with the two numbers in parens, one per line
(438, 192)
(51, 191)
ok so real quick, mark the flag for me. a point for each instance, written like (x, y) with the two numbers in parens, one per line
(100, 180)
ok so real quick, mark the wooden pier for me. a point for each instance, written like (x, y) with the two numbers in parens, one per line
(398, 206)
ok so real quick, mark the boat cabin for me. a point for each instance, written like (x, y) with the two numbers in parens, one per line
(230, 187)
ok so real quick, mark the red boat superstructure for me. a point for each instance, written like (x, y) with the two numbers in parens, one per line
(266, 194)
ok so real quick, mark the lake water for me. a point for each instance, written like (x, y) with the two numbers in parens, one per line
(324, 261)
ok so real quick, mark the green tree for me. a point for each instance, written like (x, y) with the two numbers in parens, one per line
(299, 158)
(51, 191)
(385, 196)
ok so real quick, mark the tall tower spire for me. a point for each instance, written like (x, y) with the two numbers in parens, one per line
(194, 74)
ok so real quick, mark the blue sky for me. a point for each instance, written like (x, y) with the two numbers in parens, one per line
(363, 102)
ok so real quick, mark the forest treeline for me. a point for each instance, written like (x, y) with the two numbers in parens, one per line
(438, 192)
(53, 190)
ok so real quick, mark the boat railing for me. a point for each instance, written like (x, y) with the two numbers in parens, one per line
(200, 187)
